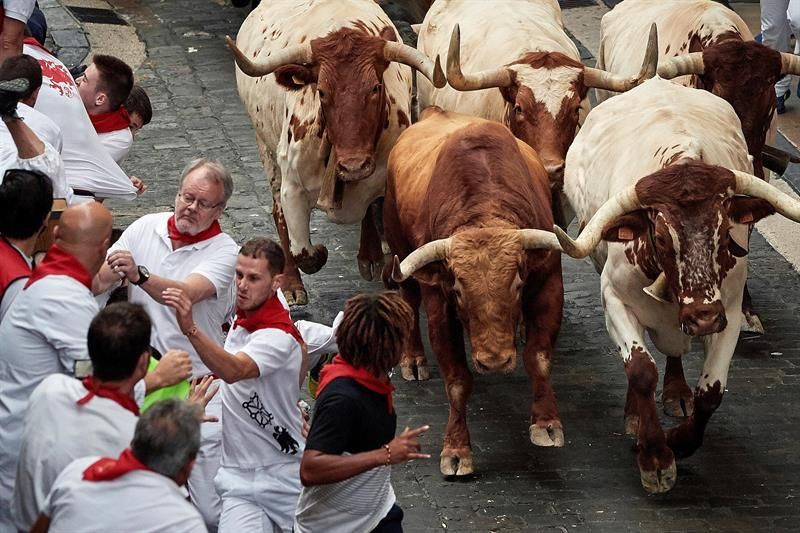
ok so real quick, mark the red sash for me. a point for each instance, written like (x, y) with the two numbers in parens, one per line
(176, 235)
(60, 262)
(111, 121)
(13, 266)
(108, 468)
(339, 368)
(271, 314)
(104, 392)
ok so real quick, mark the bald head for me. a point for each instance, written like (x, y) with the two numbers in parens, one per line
(84, 231)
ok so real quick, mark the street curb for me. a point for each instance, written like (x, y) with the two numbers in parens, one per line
(66, 37)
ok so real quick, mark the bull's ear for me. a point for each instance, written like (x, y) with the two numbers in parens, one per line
(746, 210)
(627, 227)
(388, 34)
(509, 93)
(295, 77)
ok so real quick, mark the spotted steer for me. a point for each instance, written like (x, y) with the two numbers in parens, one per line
(521, 52)
(328, 90)
(662, 186)
(466, 204)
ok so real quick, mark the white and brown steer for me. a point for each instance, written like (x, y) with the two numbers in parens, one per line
(328, 90)
(467, 209)
(662, 186)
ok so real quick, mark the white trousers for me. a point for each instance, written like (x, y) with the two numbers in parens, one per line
(779, 20)
(201, 482)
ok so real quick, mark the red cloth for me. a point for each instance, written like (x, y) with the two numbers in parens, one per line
(12, 266)
(176, 235)
(111, 121)
(339, 368)
(271, 314)
(95, 389)
(60, 262)
(109, 469)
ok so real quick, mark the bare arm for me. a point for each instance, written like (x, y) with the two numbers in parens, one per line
(42, 524)
(227, 366)
(319, 468)
(11, 38)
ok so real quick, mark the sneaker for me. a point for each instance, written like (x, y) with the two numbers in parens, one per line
(10, 93)
(758, 38)
(780, 103)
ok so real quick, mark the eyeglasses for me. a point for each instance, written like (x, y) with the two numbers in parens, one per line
(188, 199)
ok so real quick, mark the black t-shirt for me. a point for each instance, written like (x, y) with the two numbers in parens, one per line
(348, 417)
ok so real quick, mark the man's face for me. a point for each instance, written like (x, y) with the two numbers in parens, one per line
(93, 98)
(199, 202)
(254, 283)
(136, 123)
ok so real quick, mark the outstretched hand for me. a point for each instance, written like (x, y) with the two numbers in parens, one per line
(406, 446)
(200, 395)
(180, 301)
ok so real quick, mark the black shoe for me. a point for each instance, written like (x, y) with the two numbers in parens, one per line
(780, 102)
(10, 93)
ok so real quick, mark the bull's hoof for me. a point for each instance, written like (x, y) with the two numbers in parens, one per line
(370, 270)
(632, 425)
(679, 404)
(456, 462)
(751, 326)
(684, 439)
(311, 262)
(547, 434)
(414, 368)
(662, 479)
(297, 296)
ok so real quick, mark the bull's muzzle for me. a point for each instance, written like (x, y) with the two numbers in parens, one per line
(355, 168)
(703, 319)
(494, 362)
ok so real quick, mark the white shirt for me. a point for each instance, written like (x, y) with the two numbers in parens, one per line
(57, 431)
(48, 163)
(44, 128)
(43, 333)
(261, 423)
(140, 501)
(117, 143)
(18, 9)
(148, 241)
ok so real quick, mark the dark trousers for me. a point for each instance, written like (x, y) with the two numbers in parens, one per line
(392, 522)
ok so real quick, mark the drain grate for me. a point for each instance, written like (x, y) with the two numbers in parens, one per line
(97, 16)
(569, 4)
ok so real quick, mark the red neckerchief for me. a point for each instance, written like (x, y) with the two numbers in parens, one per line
(176, 235)
(108, 468)
(33, 42)
(271, 314)
(60, 262)
(111, 121)
(96, 389)
(339, 368)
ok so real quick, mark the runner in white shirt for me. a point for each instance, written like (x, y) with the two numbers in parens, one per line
(117, 143)
(138, 491)
(185, 250)
(262, 365)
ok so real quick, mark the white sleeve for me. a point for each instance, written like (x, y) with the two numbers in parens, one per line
(18, 9)
(68, 337)
(11, 292)
(117, 143)
(270, 349)
(220, 268)
(51, 165)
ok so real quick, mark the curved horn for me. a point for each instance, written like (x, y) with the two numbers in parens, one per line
(658, 289)
(601, 79)
(402, 53)
(486, 79)
(425, 254)
(533, 239)
(621, 203)
(691, 63)
(758, 188)
(790, 64)
(294, 54)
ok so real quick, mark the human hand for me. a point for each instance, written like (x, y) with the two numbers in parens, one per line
(305, 416)
(137, 182)
(123, 265)
(174, 367)
(178, 300)
(200, 395)
(406, 446)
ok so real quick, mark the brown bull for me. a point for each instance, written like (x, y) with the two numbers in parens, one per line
(465, 206)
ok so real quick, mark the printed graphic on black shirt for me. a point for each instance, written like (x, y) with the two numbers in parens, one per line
(256, 410)
(288, 444)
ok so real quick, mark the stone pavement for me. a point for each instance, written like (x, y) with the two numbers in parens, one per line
(744, 478)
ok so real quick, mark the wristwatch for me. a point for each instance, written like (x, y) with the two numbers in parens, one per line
(144, 275)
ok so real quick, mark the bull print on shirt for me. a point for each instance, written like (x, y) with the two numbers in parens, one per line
(256, 410)
(288, 444)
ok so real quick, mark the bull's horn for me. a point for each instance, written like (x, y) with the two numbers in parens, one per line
(658, 289)
(790, 64)
(691, 63)
(601, 79)
(402, 53)
(758, 188)
(486, 79)
(294, 54)
(533, 239)
(621, 203)
(425, 254)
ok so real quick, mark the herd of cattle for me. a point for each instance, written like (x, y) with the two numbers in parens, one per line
(664, 181)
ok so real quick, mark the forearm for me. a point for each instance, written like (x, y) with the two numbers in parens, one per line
(224, 365)
(156, 285)
(27, 143)
(104, 280)
(11, 38)
(319, 468)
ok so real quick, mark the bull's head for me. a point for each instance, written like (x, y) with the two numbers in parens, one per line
(681, 218)
(345, 68)
(484, 270)
(543, 92)
(743, 73)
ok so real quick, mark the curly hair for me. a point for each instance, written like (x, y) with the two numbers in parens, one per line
(374, 331)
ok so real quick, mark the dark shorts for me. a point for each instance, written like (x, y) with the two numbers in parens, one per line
(392, 522)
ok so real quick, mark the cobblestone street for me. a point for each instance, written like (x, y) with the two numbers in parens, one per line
(745, 477)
